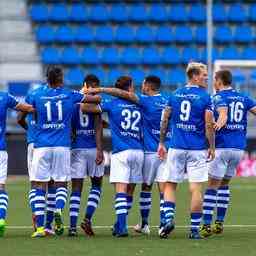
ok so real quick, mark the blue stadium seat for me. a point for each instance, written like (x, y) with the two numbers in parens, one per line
(230, 53)
(144, 35)
(158, 13)
(219, 13)
(130, 56)
(50, 55)
(178, 13)
(150, 56)
(59, 13)
(98, 13)
(252, 12)
(70, 56)
(74, 76)
(78, 13)
(215, 54)
(137, 75)
(243, 34)
(197, 13)
(190, 54)
(45, 34)
(201, 35)
(223, 34)
(161, 73)
(83, 34)
(183, 34)
(64, 34)
(164, 35)
(249, 53)
(238, 77)
(90, 56)
(124, 34)
(39, 12)
(112, 76)
(115, 11)
(170, 56)
(100, 73)
(138, 13)
(104, 34)
(110, 56)
(176, 77)
(237, 13)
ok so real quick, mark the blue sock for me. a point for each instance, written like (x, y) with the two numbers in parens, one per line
(31, 197)
(3, 204)
(162, 215)
(40, 207)
(129, 203)
(145, 206)
(93, 202)
(121, 210)
(74, 207)
(209, 205)
(61, 198)
(196, 218)
(223, 197)
(50, 207)
(169, 211)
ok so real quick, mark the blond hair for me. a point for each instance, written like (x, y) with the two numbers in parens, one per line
(194, 68)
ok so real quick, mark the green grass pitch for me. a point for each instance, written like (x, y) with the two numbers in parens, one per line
(236, 240)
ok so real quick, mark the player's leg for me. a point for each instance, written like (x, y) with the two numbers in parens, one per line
(173, 174)
(197, 175)
(119, 176)
(50, 207)
(3, 194)
(61, 174)
(74, 205)
(223, 194)
(78, 173)
(96, 173)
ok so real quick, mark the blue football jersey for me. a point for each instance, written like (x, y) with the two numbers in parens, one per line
(188, 106)
(233, 135)
(54, 107)
(31, 131)
(83, 128)
(125, 123)
(6, 101)
(152, 108)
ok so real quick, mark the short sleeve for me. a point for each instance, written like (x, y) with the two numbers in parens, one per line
(250, 103)
(11, 101)
(209, 103)
(170, 101)
(77, 97)
(218, 101)
(105, 104)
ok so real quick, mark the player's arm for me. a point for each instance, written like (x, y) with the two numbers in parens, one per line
(253, 110)
(210, 134)
(105, 124)
(98, 125)
(115, 92)
(90, 108)
(95, 99)
(21, 120)
(222, 119)
(25, 107)
(163, 130)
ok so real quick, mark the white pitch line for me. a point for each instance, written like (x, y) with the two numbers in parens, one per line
(109, 227)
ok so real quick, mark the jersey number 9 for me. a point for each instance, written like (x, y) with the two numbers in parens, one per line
(185, 109)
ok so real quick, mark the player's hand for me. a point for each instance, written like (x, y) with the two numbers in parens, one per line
(217, 126)
(161, 151)
(211, 154)
(91, 90)
(99, 157)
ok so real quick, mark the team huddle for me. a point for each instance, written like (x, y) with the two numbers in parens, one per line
(156, 138)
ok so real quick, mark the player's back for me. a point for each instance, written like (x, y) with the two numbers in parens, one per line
(125, 123)
(152, 108)
(83, 129)
(188, 106)
(54, 108)
(233, 135)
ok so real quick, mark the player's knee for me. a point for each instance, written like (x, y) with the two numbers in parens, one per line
(145, 187)
(96, 181)
(77, 185)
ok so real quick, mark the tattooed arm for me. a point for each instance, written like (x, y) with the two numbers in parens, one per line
(90, 108)
(222, 119)
(164, 125)
(98, 125)
(210, 134)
